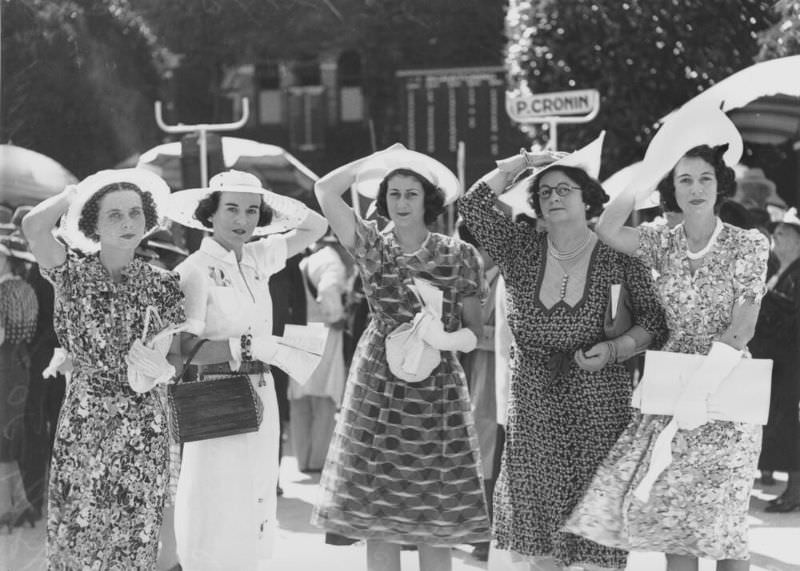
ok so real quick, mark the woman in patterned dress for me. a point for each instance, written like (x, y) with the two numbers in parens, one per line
(403, 465)
(18, 312)
(570, 390)
(710, 280)
(109, 472)
(225, 507)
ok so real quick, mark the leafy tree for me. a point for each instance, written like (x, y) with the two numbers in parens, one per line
(79, 78)
(646, 57)
(783, 38)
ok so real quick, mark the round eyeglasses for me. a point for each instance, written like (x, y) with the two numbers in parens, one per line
(561, 190)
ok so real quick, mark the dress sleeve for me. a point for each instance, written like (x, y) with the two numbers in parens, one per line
(750, 267)
(173, 302)
(366, 250)
(472, 278)
(59, 275)
(270, 253)
(648, 313)
(493, 229)
(653, 245)
(195, 288)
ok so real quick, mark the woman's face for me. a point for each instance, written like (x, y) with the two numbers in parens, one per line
(405, 201)
(236, 218)
(786, 240)
(556, 208)
(695, 185)
(120, 220)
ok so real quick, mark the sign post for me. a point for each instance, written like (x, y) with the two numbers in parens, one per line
(578, 106)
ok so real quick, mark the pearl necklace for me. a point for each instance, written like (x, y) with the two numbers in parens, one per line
(574, 253)
(711, 242)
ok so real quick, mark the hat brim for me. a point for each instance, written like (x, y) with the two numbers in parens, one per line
(19, 254)
(374, 170)
(287, 213)
(144, 179)
(588, 158)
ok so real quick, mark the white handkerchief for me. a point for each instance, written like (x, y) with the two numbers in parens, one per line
(310, 338)
(615, 289)
(431, 296)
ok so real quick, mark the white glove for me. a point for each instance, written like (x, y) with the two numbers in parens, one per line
(147, 367)
(691, 410)
(60, 362)
(431, 330)
(265, 348)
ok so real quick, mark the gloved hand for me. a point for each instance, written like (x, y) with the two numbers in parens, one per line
(265, 348)
(594, 358)
(147, 367)
(60, 362)
(431, 330)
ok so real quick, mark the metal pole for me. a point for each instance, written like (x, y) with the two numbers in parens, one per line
(552, 140)
(202, 129)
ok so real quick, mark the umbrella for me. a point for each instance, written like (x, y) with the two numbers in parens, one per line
(28, 177)
(763, 100)
(278, 169)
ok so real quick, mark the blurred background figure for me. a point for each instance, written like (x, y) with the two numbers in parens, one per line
(777, 338)
(312, 406)
(755, 191)
(479, 367)
(18, 314)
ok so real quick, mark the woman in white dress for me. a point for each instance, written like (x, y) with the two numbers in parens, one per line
(225, 509)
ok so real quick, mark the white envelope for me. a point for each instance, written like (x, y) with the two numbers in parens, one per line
(743, 396)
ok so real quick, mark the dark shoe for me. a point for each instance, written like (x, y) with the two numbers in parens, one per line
(481, 551)
(783, 507)
(29, 516)
(767, 479)
(279, 490)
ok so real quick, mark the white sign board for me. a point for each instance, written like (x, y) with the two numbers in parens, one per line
(540, 106)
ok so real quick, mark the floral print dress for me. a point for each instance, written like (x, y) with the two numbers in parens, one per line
(109, 473)
(698, 505)
(562, 420)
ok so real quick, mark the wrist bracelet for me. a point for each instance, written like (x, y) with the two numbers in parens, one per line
(246, 343)
(527, 158)
(612, 353)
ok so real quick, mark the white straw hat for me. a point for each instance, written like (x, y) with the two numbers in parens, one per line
(375, 169)
(146, 180)
(287, 213)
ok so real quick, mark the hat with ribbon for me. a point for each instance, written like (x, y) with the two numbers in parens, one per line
(15, 246)
(287, 213)
(145, 180)
(692, 125)
(376, 167)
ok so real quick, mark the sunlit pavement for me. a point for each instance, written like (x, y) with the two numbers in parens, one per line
(775, 538)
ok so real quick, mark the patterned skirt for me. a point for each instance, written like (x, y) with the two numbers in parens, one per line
(698, 505)
(404, 465)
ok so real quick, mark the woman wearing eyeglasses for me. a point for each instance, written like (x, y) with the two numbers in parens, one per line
(570, 392)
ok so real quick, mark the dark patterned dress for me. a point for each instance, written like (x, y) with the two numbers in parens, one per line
(403, 465)
(110, 472)
(561, 423)
(698, 505)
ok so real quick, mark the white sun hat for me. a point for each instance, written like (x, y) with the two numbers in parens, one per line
(376, 167)
(146, 180)
(287, 213)
(692, 125)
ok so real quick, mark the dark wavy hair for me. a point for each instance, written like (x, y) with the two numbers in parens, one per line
(592, 192)
(87, 222)
(726, 177)
(208, 206)
(434, 196)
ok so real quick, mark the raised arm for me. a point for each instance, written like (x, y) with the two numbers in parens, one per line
(38, 227)
(310, 230)
(611, 228)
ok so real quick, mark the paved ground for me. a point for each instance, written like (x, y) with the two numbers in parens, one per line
(775, 538)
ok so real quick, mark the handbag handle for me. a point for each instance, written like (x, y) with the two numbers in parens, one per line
(179, 377)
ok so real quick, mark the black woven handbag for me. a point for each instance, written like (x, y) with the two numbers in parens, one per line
(212, 408)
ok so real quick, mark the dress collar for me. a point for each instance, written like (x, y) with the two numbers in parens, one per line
(216, 250)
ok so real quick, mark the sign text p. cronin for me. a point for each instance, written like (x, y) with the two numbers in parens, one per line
(540, 106)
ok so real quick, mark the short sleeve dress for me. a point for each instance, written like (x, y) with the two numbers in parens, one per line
(698, 505)
(110, 466)
(403, 465)
(561, 420)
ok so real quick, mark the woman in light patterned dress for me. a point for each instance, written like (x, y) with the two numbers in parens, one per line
(110, 467)
(711, 280)
(403, 465)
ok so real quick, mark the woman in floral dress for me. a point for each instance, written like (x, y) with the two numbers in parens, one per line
(710, 280)
(109, 473)
(403, 465)
(570, 390)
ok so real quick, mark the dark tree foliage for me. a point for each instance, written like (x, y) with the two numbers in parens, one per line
(783, 38)
(79, 79)
(646, 57)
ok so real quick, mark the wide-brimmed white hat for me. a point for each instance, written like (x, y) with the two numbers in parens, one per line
(376, 167)
(147, 181)
(692, 125)
(287, 213)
